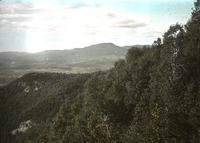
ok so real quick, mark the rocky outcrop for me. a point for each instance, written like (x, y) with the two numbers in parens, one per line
(23, 127)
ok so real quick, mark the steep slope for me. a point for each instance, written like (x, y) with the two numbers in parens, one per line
(35, 98)
(152, 96)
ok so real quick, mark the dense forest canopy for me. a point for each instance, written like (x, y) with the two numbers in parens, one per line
(150, 97)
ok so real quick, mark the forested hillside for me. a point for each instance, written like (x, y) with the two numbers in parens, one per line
(35, 98)
(150, 97)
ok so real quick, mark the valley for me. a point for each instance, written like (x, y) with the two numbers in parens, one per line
(98, 57)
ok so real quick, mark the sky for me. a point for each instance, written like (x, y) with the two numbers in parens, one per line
(38, 25)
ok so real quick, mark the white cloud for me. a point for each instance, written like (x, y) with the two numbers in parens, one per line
(49, 27)
(129, 24)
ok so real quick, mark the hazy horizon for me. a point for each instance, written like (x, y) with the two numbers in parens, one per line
(40, 25)
(29, 52)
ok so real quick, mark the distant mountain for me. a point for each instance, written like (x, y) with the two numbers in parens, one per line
(151, 96)
(81, 60)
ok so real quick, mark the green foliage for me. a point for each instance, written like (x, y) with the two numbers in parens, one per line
(150, 97)
(36, 97)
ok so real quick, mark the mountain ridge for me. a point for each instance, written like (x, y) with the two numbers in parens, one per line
(90, 46)
(81, 60)
(150, 96)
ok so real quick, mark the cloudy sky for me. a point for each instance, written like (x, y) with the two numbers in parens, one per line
(37, 25)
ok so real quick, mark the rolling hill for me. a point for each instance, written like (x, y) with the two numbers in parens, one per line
(83, 60)
(151, 96)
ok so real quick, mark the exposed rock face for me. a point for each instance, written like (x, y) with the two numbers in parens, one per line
(27, 89)
(23, 127)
